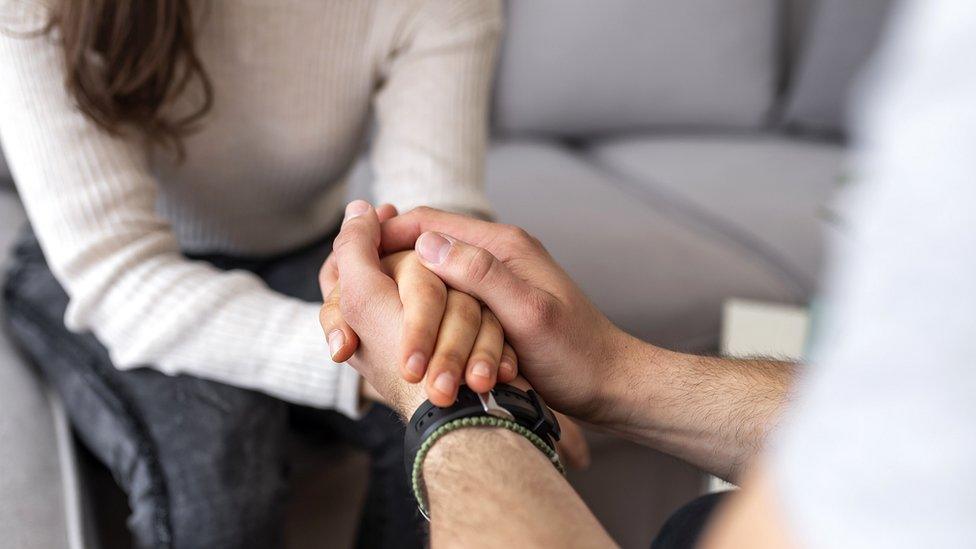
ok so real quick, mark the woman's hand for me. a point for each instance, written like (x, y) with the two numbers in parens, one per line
(446, 335)
(462, 337)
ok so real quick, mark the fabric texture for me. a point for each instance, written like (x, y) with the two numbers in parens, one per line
(294, 85)
(575, 68)
(203, 463)
(841, 39)
(768, 195)
(659, 275)
(881, 429)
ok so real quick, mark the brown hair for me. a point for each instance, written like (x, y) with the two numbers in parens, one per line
(127, 59)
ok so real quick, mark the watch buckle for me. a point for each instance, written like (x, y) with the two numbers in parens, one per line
(492, 408)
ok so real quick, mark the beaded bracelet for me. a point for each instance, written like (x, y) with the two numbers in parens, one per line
(479, 421)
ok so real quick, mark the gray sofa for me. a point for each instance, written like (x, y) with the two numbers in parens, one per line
(671, 154)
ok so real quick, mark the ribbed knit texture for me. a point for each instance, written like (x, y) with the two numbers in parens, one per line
(295, 81)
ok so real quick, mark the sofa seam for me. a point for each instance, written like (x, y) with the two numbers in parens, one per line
(700, 220)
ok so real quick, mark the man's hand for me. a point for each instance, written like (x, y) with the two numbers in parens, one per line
(567, 348)
(370, 302)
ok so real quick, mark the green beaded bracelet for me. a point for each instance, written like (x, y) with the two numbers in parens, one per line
(479, 421)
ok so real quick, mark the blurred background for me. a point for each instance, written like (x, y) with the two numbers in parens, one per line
(678, 157)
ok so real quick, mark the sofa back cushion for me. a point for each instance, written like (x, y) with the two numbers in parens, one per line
(837, 45)
(575, 68)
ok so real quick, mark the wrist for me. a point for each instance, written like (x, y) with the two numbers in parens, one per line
(632, 366)
(475, 458)
(409, 399)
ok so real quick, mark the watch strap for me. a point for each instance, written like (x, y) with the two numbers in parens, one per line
(526, 408)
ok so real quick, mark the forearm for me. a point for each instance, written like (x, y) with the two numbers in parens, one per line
(712, 412)
(492, 488)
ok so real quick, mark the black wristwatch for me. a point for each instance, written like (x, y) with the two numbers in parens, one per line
(523, 407)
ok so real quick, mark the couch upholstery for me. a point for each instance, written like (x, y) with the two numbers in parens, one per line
(570, 70)
(839, 44)
(32, 490)
(646, 144)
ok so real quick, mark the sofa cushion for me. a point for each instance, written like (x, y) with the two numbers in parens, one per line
(657, 276)
(577, 67)
(32, 511)
(765, 196)
(842, 36)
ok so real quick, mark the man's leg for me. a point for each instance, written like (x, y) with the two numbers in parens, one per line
(201, 462)
(684, 528)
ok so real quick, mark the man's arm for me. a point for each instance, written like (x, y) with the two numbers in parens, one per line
(489, 487)
(712, 412)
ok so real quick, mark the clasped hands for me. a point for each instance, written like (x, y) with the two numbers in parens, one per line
(418, 303)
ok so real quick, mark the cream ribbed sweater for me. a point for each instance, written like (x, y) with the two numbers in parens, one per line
(295, 81)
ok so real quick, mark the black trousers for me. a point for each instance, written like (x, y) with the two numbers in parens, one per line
(684, 528)
(203, 464)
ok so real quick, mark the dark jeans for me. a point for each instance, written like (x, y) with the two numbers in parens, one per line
(684, 528)
(203, 463)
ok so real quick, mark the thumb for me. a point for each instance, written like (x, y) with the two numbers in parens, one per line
(477, 272)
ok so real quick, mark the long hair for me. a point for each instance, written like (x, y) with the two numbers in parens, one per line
(127, 60)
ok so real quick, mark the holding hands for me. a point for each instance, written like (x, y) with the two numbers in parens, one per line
(566, 349)
(447, 336)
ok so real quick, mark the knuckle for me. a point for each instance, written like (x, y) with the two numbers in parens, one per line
(428, 292)
(466, 308)
(345, 238)
(325, 317)
(420, 328)
(418, 338)
(450, 359)
(541, 312)
(508, 351)
(334, 298)
(480, 265)
(483, 355)
(517, 236)
(489, 320)
(327, 274)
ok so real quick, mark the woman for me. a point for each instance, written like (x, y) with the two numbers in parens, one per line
(182, 164)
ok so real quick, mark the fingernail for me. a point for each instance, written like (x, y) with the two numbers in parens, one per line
(416, 365)
(481, 369)
(336, 339)
(508, 366)
(433, 247)
(445, 383)
(356, 208)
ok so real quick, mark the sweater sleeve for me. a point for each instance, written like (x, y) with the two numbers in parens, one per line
(91, 200)
(432, 107)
